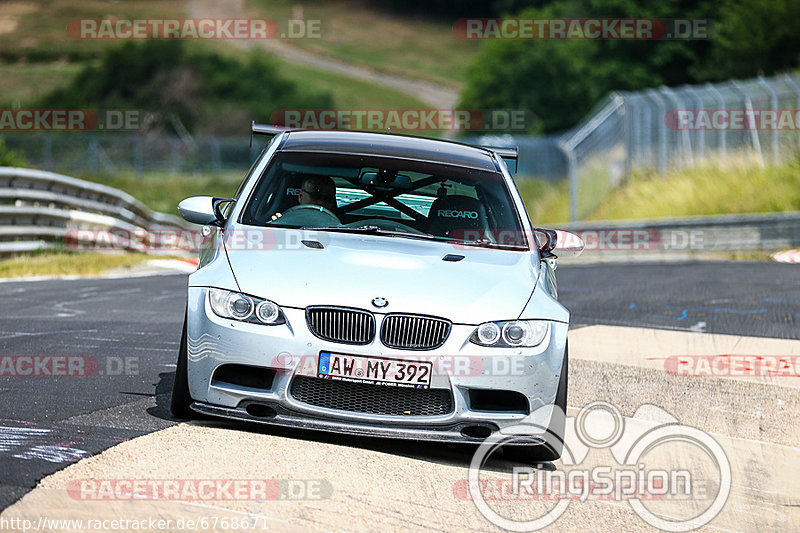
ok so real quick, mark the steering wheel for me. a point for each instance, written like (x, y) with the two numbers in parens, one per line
(309, 215)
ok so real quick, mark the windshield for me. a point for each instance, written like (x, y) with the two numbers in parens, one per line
(335, 192)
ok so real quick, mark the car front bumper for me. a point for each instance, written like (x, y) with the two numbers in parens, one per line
(291, 350)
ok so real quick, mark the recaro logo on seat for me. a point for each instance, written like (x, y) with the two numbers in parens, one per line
(448, 213)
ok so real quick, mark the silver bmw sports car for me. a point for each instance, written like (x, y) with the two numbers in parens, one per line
(378, 285)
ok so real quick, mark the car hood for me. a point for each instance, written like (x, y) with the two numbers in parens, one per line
(353, 269)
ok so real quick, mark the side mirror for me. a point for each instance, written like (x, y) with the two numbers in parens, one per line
(568, 244)
(558, 242)
(545, 240)
(203, 210)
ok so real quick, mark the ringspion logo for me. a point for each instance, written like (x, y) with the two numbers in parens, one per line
(636, 463)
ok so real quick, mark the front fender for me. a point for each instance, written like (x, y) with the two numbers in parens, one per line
(542, 305)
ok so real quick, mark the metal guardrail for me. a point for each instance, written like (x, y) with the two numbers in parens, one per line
(687, 237)
(38, 208)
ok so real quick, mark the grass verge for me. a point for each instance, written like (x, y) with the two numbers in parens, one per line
(59, 263)
(732, 187)
(736, 186)
(24, 83)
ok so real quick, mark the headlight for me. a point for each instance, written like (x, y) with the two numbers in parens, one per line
(511, 333)
(245, 308)
(268, 312)
(488, 333)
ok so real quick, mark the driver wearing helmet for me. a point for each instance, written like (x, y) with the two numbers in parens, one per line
(316, 190)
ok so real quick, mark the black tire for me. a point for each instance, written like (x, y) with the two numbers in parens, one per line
(181, 399)
(552, 450)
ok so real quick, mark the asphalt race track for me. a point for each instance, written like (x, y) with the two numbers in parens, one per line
(130, 329)
(133, 321)
(738, 298)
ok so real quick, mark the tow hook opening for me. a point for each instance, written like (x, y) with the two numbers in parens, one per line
(476, 432)
(260, 410)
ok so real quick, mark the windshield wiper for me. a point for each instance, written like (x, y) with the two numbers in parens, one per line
(426, 236)
(486, 243)
(372, 230)
(343, 229)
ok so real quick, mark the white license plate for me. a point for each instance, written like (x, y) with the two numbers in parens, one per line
(377, 370)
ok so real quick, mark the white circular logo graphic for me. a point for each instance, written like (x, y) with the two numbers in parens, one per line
(628, 446)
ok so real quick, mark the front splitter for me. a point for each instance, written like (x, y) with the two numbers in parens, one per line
(453, 433)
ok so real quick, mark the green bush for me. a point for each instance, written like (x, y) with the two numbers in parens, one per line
(753, 37)
(11, 158)
(560, 81)
(200, 88)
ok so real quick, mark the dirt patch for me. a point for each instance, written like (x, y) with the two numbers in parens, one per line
(12, 11)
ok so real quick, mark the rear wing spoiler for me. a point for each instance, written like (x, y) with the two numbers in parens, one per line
(266, 129)
(506, 152)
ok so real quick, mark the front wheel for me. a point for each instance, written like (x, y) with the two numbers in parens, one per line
(181, 399)
(555, 445)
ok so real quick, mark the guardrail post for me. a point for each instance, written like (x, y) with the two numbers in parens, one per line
(627, 134)
(662, 132)
(572, 177)
(635, 138)
(647, 154)
(721, 102)
(701, 140)
(790, 81)
(686, 149)
(774, 103)
(748, 106)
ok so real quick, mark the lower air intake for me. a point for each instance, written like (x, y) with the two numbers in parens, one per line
(371, 399)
